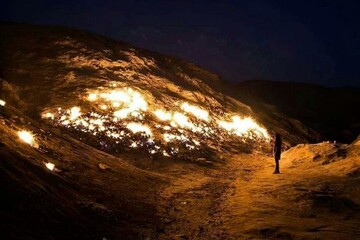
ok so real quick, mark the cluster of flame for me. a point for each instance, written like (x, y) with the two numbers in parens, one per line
(28, 137)
(122, 113)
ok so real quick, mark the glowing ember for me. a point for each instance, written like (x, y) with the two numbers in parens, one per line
(171, 137)
(134, 145)
(75, 113)
(136, 128)
(196, 111)
(2, 103)
(27, 137)
(50, 166)
(92, 97)
(48, 115)
(166, 154)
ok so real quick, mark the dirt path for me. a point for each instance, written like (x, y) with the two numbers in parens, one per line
(244, 200)
(303, 202)
(193, 205)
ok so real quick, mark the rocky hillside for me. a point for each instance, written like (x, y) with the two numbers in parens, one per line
(103, 140)
(51, 67)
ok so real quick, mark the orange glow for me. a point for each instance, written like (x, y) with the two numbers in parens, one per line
(50, 166)
(27, 137)
(243, 127)
(120, 113)
(196, 111)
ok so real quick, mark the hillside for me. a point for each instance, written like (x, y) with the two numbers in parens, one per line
(103, 140)
(329, 111)
(63, 65)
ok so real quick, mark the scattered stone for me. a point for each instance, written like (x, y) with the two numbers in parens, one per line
(103, 166)
(96, 209)
(180, 237)
(201, 160)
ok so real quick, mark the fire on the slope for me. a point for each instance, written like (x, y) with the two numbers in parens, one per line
(27, 137)
(127, 117)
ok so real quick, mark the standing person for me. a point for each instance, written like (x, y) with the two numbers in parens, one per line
(277, 152)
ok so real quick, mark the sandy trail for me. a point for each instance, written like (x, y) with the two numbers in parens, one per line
(244, 200)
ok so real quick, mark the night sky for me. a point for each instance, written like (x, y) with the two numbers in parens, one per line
(301, 41)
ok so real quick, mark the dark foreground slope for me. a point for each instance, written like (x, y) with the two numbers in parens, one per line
(332, 112)
(78, 200)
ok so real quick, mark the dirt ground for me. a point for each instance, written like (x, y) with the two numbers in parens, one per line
(244, 200)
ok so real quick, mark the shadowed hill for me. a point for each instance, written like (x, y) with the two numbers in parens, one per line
(332, 112)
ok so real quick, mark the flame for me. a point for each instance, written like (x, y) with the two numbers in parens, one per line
(171, 137)
(2, 103)
(196, 111)
(136, 128)
(50, 166)
(128, 97)
(182, 121)
(115, 104)
(48, 115)
(27, 137)
(117, 96)
(124, 113)
(162, 115)
(134, 145)
(75, 113)
(243, 127)
(165, 153)
(92, 97)
(121, 112)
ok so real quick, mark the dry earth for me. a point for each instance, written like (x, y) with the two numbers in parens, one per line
(315, 197)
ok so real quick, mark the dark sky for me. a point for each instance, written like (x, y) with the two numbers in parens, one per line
(315, 41)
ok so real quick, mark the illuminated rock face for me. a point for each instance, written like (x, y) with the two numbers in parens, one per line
(118, 98)
(131, 117)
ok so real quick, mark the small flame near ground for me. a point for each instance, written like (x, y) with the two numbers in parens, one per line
(2, 103)
(50, 166)
(27, 137)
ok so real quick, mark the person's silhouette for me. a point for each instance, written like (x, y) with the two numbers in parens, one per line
(277, 152)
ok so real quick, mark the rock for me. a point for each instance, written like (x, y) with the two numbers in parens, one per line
(103, 166)
(97, 209)
(180, 236)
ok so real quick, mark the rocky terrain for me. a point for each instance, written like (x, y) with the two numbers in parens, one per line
(103, 140)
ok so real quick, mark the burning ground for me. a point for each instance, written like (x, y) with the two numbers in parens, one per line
(104, 140)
